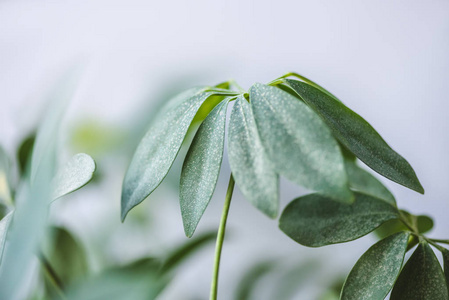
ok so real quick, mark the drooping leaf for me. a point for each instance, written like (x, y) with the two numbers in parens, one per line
(362, 181)
(375, 272)
(247, 284)
(252, 170)
(358, 136)
(445, 253)
(181, 253)
(75, 174)
(159, 148)
(298, 142)
(201, 168)
(422, 277)
(4, 227)
(315, 220)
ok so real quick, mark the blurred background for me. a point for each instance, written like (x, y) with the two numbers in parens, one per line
(386, 60)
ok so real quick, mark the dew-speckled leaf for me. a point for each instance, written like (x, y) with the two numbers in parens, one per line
(445, 253)
(315, 220)
(375, 272)
(159, 147)
(75, 174)
(201, 168)
(421, 278)
(358, 136)
(299, 143)
(4, 226)
(252, 170)
(362, 181)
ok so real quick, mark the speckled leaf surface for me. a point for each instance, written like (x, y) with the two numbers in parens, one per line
(358, 136)
(76, 173)
(422, 277)
(375, 272)
(201, 167)
(315, 220)
(298, 142)
(4, 226)
(362, 181)
(446, 265)
(159, 147)
(252, 170)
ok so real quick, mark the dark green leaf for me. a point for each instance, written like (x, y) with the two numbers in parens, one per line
(362, 181)
(358, 136)
(247, 284)
(446, 265)
(252, 170)
(315, 220)
(422, 277)
(187, 249)
(4, 226)
(298, 142)
(375, 272)
(159, 148)
(76, 173)
(201, 168)
(24, 152)
(425, 223)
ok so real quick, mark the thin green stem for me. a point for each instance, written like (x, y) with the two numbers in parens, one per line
(440, 241)
(235, 84)
(220, 238)
(56, 280)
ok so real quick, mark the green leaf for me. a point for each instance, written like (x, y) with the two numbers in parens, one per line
(422, 277)
(187, 249)
(25, 151)
(247, 284)
(75, 174)
(201, 168)
(5, 178)
(315, 220)
(298, 142)
(446, 265)
(358, 136)
(362, 181)
(423, 223)
(159, 148)
(4, 226)
(67, 256)
(375, 272)
(252, 170)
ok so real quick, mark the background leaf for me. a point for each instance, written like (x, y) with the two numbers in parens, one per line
(252, 170)
(76, 173)
(201, 168)
(358, 136)
(298, 142)
(4, 227)
(159, 148)
(248, 283)
(5, 178)
(315, 220)
(375, 272)
(422, 277)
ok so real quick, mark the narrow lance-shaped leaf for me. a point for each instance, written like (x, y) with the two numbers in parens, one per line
(422, 277)
(76, 173)
(362, 181)
(358, 136)
(315, 220)
(375, 272)
(159, 148)
(252, 169)
(201, 168)
(4, 226)
(298, 142)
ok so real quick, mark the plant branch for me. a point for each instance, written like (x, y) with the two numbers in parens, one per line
(220, 238)
(440, 241)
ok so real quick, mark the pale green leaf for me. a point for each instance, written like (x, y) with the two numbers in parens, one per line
(4, 226)
(159, 147)
(422, 277)
(201, 168)
(358, 136)
(298, 142)
(375, 272)
(362, 181)
(76, 173)
(248, 283)
(5, 178)
(315, 220)
(252, 170)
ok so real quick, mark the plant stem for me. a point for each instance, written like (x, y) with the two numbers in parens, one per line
(440, 241)
(235, 84)
(220, 238)
(52, 274)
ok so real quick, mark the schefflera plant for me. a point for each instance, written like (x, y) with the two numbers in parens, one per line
(294, 128)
